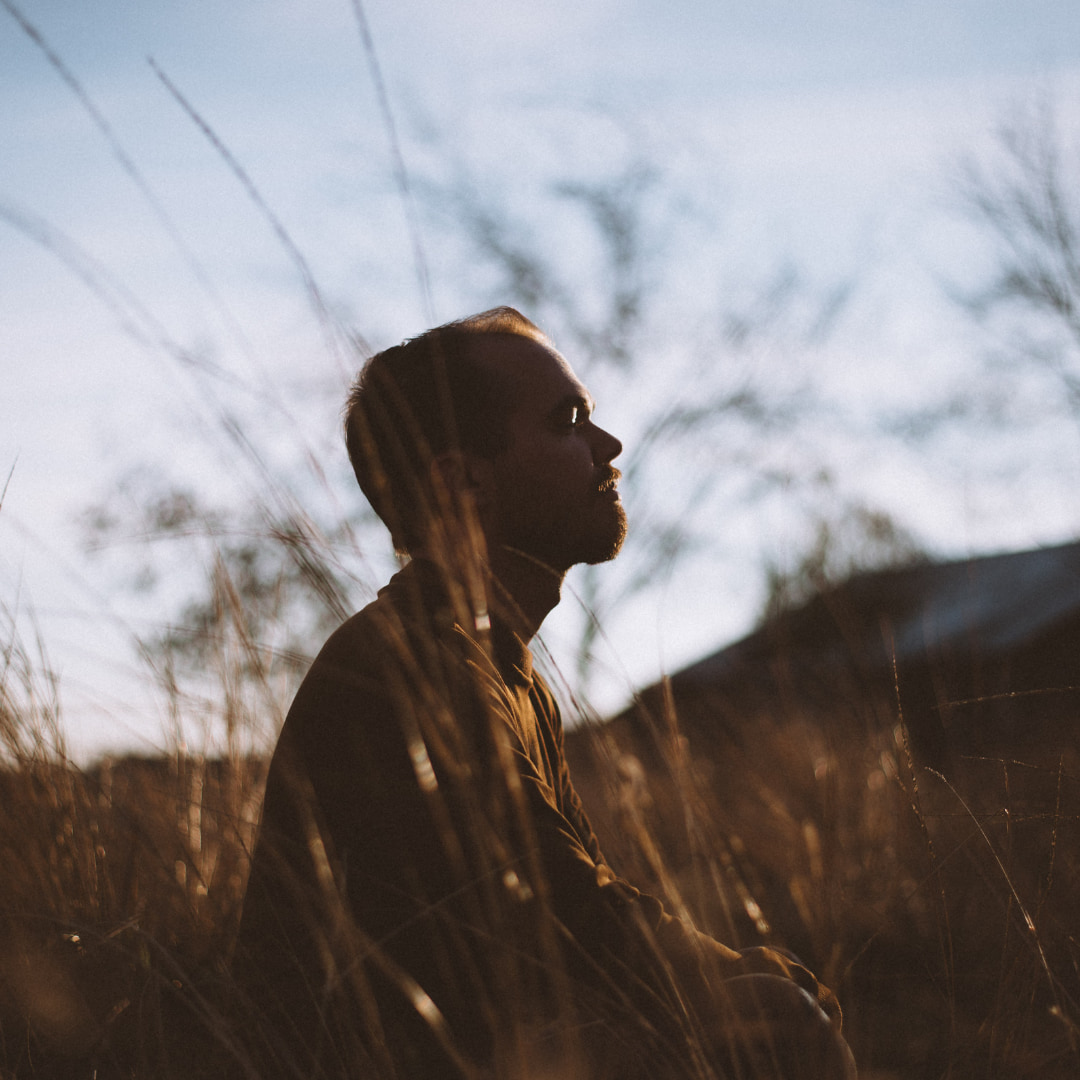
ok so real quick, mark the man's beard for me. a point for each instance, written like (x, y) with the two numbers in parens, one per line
(559, 546)
(607, 547)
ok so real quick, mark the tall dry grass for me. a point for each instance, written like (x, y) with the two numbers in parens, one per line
(942, 908)
(119, 892)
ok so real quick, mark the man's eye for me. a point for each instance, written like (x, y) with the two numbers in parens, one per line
(570, 417)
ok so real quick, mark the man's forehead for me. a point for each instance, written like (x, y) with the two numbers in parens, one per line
(530, 369)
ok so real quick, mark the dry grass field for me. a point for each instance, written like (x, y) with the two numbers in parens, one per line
(943, 910)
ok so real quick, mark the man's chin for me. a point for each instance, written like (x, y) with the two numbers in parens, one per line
(598, 560)
(607, 551)
(599, 545)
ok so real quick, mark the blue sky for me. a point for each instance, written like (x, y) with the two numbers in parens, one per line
(822, 133)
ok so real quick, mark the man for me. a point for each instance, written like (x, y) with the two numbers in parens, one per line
(427, 898)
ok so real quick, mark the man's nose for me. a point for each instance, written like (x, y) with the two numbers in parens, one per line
(605, 446)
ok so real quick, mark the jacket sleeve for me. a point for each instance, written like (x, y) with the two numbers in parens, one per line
(627, 932)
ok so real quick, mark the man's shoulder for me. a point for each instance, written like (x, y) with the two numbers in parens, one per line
(359, 670)
(399, 602)
(404, 627)
(356, 634)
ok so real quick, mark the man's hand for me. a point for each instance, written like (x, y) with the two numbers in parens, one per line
(768, 961)
(771, 1029)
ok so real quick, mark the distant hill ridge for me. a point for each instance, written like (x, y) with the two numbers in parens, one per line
(979, 653)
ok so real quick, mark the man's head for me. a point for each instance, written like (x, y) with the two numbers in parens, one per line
(490, 395)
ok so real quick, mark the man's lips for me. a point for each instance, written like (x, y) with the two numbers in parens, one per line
(607, 485)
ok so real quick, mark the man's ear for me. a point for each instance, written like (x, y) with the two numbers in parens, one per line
(460, 471)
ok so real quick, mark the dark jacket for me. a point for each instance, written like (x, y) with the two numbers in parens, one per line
(426, 892)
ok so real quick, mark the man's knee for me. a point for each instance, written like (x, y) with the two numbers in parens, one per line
(768, 1028)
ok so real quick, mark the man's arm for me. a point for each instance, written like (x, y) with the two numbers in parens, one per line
(606, 915)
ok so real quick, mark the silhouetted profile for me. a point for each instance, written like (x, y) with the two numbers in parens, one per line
(427, 898)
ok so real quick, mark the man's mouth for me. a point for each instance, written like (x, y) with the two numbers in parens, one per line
(608, 485)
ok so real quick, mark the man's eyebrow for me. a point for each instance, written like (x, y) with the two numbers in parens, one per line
(574, 401)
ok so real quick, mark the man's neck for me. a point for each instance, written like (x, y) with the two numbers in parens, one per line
(527, 586)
